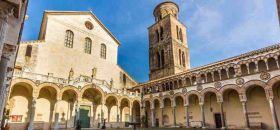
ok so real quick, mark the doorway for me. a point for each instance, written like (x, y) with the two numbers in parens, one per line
(84, 116)
(218, 120)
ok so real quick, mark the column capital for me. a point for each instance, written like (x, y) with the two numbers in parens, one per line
(6, 12)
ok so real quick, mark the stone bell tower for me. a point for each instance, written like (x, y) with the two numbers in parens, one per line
(168, 49)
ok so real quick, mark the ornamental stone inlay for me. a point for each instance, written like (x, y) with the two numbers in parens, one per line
(184, 90)
(240, 81)
(265, 76)
(171, 92)
(218, 85)
(199, 87)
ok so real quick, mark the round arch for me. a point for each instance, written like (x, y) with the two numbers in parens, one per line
(52, 85)
(92, 86)
(253, 83)
(273, 81)
(71, 88)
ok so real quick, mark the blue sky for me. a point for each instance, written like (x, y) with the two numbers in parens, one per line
(217, 29)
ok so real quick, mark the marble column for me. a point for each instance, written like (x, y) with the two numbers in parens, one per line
(3, 69)
(273, 114)
(94, 115)
(118, 117)
(130, 114)
(109, 113)
(246, 119)
(32, 114)
(120, 114)
(187, 116)
(222, 115)
(56, 115)
(153, 117)
(102, 114)
(202, 115)
(174, 115)
(162, 120)
(77, 113)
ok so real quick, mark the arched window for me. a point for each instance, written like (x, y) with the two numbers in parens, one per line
(162, 58)
(262, 66)
(157, 35)
(231, 72)
(183, 59)
(252, 68)
(203, 78)
(88, 44)
(244, 69)
(181, 35)
(224, 74)
(272, 65)
(69, 39)
(188, 82)
(180, 58)
(209, 77)
(158, 59)
(216, 76)
(193, 80)
(177, 30)
(28, 51)
(103, 51)
(161, 33)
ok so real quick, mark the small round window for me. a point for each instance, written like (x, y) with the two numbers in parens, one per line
(89, 25)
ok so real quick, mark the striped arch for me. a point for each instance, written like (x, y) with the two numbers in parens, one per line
(253, 83)
(159, 100)
(273, 81)
(190, 93)
(209, 90)
(229, 87)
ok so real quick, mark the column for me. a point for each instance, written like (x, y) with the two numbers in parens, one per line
(56, 115)
(162, 121)
(120, 114)
(273, 114)
(109, 113)
(187, 116)
(153, 117)
(77, 113)
(102, 114)
(202, 115)
(222, 115)
(130, 114)
(94, 114)
(174, 116)
(32, 114)
(3, 69)
(246, 119)
(118, 117)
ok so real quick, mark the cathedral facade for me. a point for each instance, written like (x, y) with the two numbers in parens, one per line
(70, 76)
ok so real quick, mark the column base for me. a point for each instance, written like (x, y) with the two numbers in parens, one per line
(203, 127)
(223, 128)
(30, 128)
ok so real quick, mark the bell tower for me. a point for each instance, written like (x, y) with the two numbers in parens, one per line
(168, 49)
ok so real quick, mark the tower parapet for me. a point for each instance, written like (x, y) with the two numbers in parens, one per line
(165, 9)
